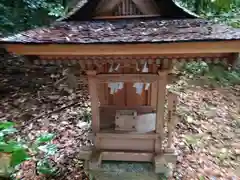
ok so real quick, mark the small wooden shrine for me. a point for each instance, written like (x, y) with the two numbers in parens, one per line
(127, 49)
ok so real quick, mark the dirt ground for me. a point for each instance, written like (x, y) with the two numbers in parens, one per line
(207, 136)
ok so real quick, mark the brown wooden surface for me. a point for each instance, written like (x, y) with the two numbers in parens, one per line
(126, 49)
(126, 16)
(127, 156)
(127, 78)
(161, 94)
(126, 144)
(173, 122)
(128, 96)
(125, 135)
(102, 90)
(126, 58)
(92, 84)
(107, 113)
(171, 118)
(139, 109)
(153, 89)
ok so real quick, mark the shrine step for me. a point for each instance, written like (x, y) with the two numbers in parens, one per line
(124, 171)
(119, 156)
(128, 165)
(123, 176)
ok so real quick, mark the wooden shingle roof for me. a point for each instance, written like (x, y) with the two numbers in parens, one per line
(138, 30)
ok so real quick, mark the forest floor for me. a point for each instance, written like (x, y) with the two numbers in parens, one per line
(207, 137)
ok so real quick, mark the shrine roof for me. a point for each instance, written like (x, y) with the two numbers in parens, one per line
(134, 30)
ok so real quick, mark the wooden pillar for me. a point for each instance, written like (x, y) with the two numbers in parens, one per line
(161, 94)
(92, 85)
(172, 102)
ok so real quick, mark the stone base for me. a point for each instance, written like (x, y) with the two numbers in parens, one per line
(165, 163)
(123, 176)
(106, 169)
(124, 171)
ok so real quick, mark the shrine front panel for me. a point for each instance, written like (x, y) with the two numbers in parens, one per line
(128, 95)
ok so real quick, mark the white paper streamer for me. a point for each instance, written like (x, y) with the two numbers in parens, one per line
(139, 86)
(114, 87)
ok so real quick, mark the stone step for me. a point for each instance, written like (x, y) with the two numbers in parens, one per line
(99, 175)
(124, 171)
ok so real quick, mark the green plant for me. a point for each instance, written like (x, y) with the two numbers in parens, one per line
(196, 68)
(87, 116)
(12, 152)
(223, 76)
(45, 167)
(42, 149)
(215, 73)
(192, 140)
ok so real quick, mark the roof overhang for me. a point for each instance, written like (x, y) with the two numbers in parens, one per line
(125, 49)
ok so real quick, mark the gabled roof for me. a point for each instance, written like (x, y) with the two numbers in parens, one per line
(136, 30)
(174, 25)
(85, 10)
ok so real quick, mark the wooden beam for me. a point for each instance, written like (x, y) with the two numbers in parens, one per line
(103, 92)
(103, 78)
(125, 49)
(124, 135)
(124, 143)
(172, 101)
(139, 109)
(125, 17)
(154, 88)
(127, 156)
(92, 85)
(149, 56)
(161, 94)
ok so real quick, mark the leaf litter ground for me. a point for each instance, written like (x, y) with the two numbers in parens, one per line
(207, 136)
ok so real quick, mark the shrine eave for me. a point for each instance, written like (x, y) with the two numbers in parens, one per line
(227, 46)
(30, 43)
